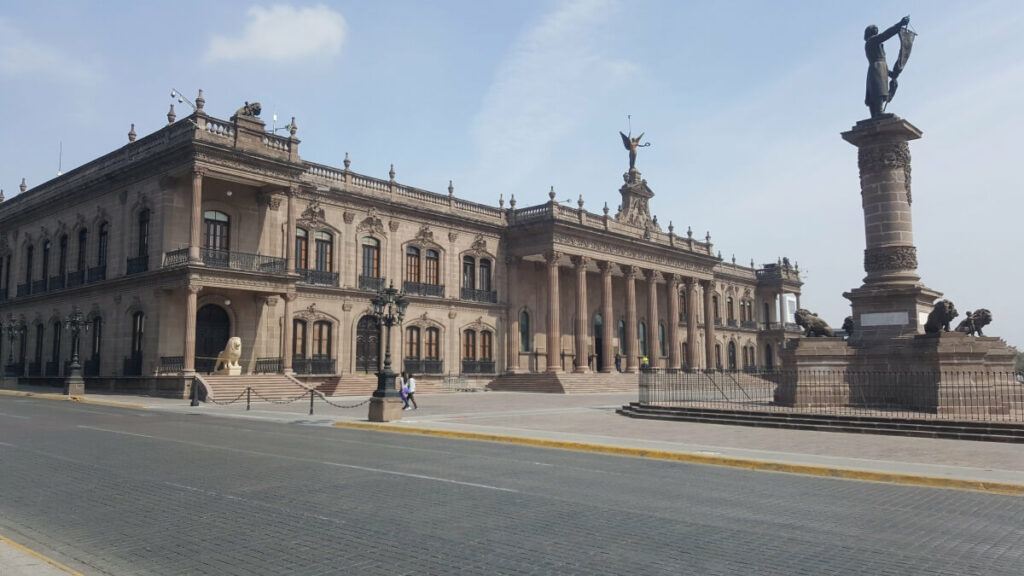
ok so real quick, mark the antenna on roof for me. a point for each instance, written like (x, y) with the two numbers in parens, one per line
(60, 158)
(629, 123)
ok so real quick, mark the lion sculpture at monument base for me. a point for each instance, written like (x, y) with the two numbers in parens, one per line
(975, 321)
(812, 324)
(939, 318)
(227, 360)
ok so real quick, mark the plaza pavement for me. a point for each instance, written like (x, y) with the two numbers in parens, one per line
(588, 422)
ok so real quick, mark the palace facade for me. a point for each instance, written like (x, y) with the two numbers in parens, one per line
(208, 229)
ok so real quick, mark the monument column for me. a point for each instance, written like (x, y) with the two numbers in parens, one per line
(673, 322)
(196, 224)
(286, 333)
(554, 329)
(691, 323)
(582, 361)
(607, 316)
(709, 326)
(191, 301)
(892, 300)
(653, 337)
(632, 345)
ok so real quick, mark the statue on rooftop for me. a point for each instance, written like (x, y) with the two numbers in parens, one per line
(881, 82)
(250, 109)
(632, 144)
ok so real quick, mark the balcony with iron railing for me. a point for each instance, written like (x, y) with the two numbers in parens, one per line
(132, 365)
(24, 289)
(371, 283)
(76, 278)
(171, 365)
(422, 289)
(470, 366)
(242, 261)
(314, 365)
(317, 277)
(53, 368)
(39, 286)
(91, 367)
(35, 368)
(3, 294)
(57, 282)
(424, 365)
(176, 257)
(732, 323)
(748, 324)
(487, 296)
(97, 273)
(268, 366)
(138, 264)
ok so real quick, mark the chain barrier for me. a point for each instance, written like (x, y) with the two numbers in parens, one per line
(237, 398)
(249, 391)
(272, 401)
(324, 398)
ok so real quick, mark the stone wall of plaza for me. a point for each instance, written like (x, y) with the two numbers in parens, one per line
(208, 228)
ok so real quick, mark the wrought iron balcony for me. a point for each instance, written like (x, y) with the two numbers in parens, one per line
(138, 264)
(24, 289)
(318, 277)
(176, 257)
(424, 366)
(748, 324)
(15, 369)
(35, 368)
(718, 321)
(793, 327)
(242, 261)
(489, 296)
(76, 278)
(53, 368)
(371, 283)
(97, 273)
(314, 365)
(57, 282)
(268, 366)
(91, 367)
(39, 286)
(477, 366)
(132, 366)
(733, 323)
(171, 365)
(421, 289)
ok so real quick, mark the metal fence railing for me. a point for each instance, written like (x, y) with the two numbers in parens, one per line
(946, 395)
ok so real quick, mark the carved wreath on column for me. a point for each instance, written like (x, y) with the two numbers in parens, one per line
(890, 258)
(886, 157)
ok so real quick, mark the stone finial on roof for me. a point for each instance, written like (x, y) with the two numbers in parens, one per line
(200, 101)
(347, 162)
(1, 194)
(719, 254)
(580, 202)
(752, 263)
(23, 186)
(707, 237)
(501, 200)
(733, 259)
(671, 228)
(551, 194)
(391, 173)
(131, 133)
(689, 232)
(512, 201)
(293, 128)
(451, 188)
(171, 116)
(605, 209)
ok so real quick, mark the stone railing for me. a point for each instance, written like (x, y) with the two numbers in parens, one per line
(97, 273)
(219, 127)
(176, 257)
(278, 143)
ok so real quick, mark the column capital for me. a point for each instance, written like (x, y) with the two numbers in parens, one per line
(672, 279)
(289, 296)
(651, 275)
(193, 289)
(629, 271)
(198, 171)
(579, 261)
(551, 257)
(706, 283)
(605, 266)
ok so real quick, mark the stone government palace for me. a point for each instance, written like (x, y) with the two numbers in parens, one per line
(208, 229)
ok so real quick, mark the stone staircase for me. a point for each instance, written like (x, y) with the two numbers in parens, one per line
(265, 386)
(348, 385)
(566, 383)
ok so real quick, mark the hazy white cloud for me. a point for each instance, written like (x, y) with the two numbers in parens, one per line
(282, 33)
(24, 56)
(553, 77)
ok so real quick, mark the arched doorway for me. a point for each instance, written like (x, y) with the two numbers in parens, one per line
(213, 328)
(368, 345)
(598, 342)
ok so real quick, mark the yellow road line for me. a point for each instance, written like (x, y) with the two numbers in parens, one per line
(708, 459)
(79, 399)
(26, 550)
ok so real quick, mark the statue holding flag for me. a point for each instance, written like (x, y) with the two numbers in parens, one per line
(881, 83)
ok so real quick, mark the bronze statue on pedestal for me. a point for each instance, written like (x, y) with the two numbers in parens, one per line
(881, 83)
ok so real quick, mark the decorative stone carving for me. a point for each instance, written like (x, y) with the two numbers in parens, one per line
(890, 156)
(615, 249)
(812, 324)
(479, 244)
(251, 109)
(349, 217)
(393, 225)
(346, 306)
(314, 215)
(453, 236)
(975, 321)
(270, 200)
(425, 234)
(848, 326)
(227, 360)
(890, 258)
(939, 318)
(372, 223)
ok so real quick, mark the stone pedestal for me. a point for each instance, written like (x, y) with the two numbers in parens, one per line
(386, 409)
(74, 385)
(229, 371)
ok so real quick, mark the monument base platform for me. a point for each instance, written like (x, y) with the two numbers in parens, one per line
(883, 312)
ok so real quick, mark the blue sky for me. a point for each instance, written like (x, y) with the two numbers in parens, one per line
(743, 102)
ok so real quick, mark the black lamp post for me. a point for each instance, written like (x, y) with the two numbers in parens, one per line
(389, 308)
(74, 385)
(14, 328)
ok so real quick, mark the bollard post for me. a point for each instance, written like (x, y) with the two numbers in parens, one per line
(248, 396)
(310, 401)
(194, 393)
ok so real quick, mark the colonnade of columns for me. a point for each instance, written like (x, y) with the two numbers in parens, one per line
(632, 344)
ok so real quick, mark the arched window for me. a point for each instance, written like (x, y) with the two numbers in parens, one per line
(485, 274)
(83, 246)
(301, 249)
(433, 344)
(133, 364)
(322, 339)
(92, 364)
(217, 226)
(412, 343)
(62, 259)
(524, 331)
(641, 336)
(682, 304)
(412, 264)
(469, 272)
(732, 355)
(469, 345)
(298, 338)
(371, 257)
(623, 345)
(730, 313)
(101, 246)
(486, 345)
(29, 252)
(433, 268)
(143, 238)
(662, 343)
(40, 332)
(46, 263)
(324, 251)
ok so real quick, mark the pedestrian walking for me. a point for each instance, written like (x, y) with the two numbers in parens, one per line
(618, 362)
(400, 382)
(410, 392)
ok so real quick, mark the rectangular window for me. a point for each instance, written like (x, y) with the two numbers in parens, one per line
(469, 273)
(485, 345)
(298, 338)
(143, 233)
(322, 339)
(412, 264)
(412, 342)
(101, 250)
(433, 268)
(324, 253)
(55, 350)
(301, 248)
(371, 260)
(433, 344)
(83, 237)
(485, 275)
(469, 345)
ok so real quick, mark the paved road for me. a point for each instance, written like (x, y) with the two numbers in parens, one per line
(111, 491)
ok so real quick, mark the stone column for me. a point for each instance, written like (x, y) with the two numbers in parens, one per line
(191, 302)
(632, 345)
(514, 342)
(691, 323)
(196, 230)
(673, 322)
(607, 315)
(782, 310)
(653, 341)
(289, 243)
(554, 329)
(709, 325)
(582, 360)
(286, 333)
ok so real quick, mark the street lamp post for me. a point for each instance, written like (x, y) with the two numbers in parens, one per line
(14, 328)
(74, 384)
(389, 308)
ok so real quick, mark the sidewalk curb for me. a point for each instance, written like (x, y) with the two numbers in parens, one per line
(79, 399)
(705, 459)
(4, 541)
